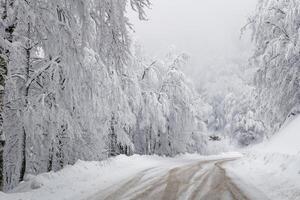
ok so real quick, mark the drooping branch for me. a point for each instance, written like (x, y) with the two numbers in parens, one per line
(139, 6)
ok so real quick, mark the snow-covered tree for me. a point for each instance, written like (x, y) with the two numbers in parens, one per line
(275, 29)
(63, 60)
(242, 125)
(228, 89)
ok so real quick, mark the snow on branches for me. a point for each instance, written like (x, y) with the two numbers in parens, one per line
(275, 31)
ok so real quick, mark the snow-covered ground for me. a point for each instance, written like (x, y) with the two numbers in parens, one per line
(273, 166)
(84, 179)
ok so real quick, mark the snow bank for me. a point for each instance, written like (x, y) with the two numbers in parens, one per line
(84, 179)
(273, 166)
(287, 141)
(276, 175)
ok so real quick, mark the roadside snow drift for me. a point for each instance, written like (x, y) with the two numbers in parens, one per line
(273, 166)
(287, 141)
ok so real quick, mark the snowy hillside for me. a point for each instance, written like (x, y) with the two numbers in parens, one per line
(286, 141)
(273, 166)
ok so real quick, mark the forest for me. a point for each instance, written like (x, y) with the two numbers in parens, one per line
(75, 86)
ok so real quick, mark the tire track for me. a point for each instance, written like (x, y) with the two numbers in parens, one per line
(205, 180)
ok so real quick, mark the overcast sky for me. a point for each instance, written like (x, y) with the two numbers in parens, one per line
(206, 29)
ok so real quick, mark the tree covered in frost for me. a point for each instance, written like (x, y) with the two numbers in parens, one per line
(276, 32)
(170, 118)
(228, 89)
(62, 89)
(248, 106)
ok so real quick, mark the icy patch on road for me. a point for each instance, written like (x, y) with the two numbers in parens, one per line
(84, 179)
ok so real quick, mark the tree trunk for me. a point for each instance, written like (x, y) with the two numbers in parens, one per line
(3, 68)
(50, 159)
(2, 142)
(3, 73)
(112, 138)
(26, 94)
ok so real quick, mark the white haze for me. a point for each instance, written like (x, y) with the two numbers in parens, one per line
(208, 30)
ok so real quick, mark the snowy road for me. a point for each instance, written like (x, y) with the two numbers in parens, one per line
(205, 180)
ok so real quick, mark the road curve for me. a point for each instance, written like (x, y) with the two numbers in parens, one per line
(204, 180)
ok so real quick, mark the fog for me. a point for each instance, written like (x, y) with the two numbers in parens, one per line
(208, 30)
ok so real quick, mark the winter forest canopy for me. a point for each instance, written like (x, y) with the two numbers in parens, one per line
(74, 84)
